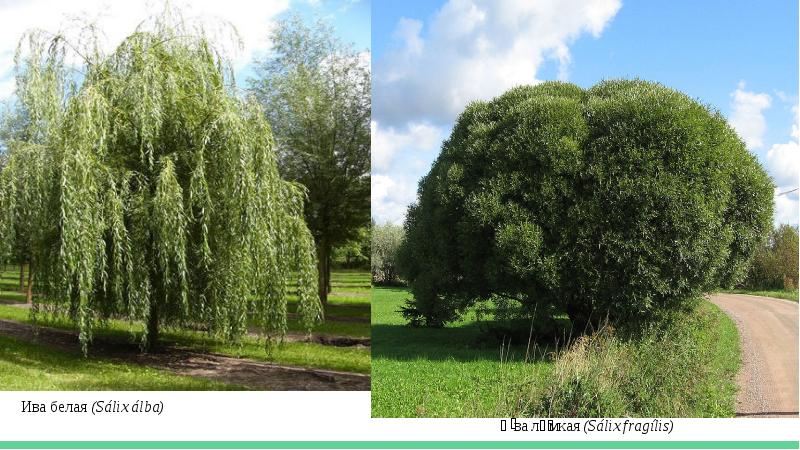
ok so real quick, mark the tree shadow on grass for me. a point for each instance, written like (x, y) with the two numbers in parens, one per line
(70, 370)
(466, 343)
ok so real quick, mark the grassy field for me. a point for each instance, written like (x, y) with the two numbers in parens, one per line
(686, 368)
(783, 293)
(66, 367)
(450, 372)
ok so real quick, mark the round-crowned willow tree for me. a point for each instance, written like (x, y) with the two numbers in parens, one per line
(613, 203)
(144, 187)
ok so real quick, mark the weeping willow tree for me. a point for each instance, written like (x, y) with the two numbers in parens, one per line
(143, 186)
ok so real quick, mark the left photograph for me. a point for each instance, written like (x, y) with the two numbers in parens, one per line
(185, 195)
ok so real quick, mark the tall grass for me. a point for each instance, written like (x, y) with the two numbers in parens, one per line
(684, 366)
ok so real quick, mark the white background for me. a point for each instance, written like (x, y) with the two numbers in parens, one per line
(283, 416)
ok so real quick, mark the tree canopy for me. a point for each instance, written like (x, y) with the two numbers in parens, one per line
(615, 202)
(316, 93)
(143, 185)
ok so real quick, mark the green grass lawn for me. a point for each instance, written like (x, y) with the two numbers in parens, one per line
(293, 353)
(350, 281)
(783, 293)
(26, 366)
(450, 372)
(9, 286)
(684, 369)
(310, 355)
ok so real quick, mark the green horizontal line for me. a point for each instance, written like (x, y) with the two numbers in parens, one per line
(322, 445)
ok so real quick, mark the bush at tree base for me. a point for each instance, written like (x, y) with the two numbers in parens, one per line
(148, 189)
(614, 202)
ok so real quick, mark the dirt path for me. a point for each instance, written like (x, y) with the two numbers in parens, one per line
(243, 372)
(768, 330)
(334, 318)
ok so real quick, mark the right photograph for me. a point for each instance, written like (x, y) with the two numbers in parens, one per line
(584, 208)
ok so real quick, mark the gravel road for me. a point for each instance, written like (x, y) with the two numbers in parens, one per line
(768, 382)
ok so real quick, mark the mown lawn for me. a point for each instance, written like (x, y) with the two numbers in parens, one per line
(312, 355)
(293, 353)
(26, 366)
(9, 286)
(681, 368)
(349, 300)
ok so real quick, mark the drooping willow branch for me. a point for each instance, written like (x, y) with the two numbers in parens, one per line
(148, 189)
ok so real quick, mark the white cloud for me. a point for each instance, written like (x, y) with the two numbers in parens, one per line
(117, 19)
(408, 32)
(747, 115)
(387, 142)
(783, 161)
(391, 195)
(476, 49)
(786, 208)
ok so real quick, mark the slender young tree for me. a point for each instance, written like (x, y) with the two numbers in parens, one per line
(149, 189)
(316, 93)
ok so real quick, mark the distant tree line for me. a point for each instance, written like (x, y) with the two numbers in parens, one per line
(775, 263)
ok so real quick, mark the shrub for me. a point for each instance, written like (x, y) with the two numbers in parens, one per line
(386, 240)
(615, 202)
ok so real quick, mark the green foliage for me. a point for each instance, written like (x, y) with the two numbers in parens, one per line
(386, 241)
(316, 93)
(354, 253)
(775, 264)
(615, 202)
(147, 188)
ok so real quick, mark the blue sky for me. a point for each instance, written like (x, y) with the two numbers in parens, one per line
(430, 58)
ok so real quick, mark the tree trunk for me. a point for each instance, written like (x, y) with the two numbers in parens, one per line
(322, 272)
(152, 326)
(29, 294)
(22, 277)
(328, 274)
(580, 314)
